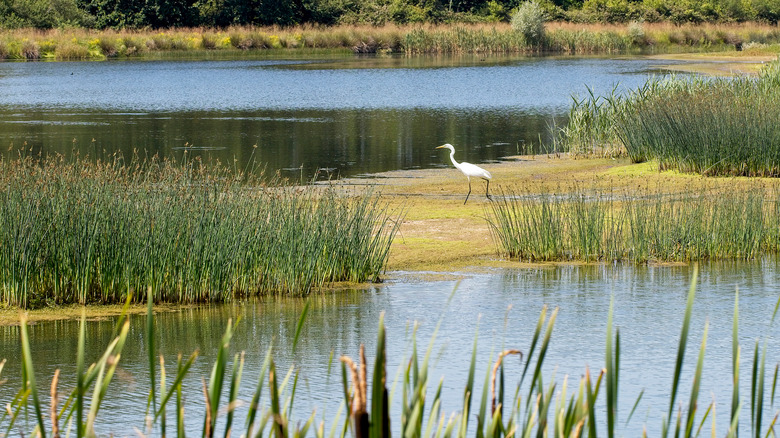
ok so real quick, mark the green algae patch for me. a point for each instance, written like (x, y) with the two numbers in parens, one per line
(10, 316)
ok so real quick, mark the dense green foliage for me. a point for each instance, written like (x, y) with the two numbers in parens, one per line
(77, 232)
(209, 13)
(702, 125)
(515, 400)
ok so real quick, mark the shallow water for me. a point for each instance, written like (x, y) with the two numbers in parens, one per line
(343, 116)
(502, 307)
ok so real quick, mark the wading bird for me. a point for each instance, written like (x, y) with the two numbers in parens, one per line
(469, 170)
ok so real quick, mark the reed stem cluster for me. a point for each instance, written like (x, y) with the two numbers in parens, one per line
(78, 231)
(637, 227)
(709, 126)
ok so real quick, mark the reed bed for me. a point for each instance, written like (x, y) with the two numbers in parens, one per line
(514, 401)
(636, 227)
(79, 231)
(76, 44)
(702, 125)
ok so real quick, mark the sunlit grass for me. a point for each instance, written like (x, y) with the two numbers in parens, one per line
(571, 38)
(85, 231)
(637, 226)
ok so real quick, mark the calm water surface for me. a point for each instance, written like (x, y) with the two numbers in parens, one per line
(502, 307)
(343, 116)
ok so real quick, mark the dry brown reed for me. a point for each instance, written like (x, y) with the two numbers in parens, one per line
(479, 37)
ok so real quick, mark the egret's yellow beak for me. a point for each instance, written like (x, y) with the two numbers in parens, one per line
(439, 147)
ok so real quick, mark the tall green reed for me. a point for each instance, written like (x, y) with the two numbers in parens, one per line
(640, 226)
(83, 231)
(704, 125)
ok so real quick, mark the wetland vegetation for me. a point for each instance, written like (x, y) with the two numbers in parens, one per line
(508, 400)
(636, 226)
(85, 231)
(558, 37)
(710, 126)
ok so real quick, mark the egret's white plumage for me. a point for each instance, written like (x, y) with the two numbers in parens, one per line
(469, 170)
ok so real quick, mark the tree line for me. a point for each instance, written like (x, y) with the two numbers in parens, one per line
(158, 14)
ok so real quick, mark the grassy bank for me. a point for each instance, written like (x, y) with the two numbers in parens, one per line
(440, 237)
(77, 231)
(516, 400)
(75, 44)
(707, 126)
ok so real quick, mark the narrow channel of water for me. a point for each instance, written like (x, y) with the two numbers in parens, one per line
(502, 307)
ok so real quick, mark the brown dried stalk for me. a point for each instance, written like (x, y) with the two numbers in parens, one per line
(495, 371)
(55, 428)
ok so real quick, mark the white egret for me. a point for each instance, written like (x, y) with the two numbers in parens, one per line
(469, 170)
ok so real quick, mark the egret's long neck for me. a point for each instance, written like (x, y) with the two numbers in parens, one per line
(452, 157)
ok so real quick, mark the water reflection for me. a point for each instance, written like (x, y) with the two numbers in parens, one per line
(347, 115)
(502, 308)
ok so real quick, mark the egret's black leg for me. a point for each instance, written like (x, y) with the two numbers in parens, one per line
(467, 194)
(487, 190)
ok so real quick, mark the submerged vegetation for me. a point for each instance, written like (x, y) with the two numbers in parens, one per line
(78, 231)
(522, 36)
(513, 401)
(702, 125)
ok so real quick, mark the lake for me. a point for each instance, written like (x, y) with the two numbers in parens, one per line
(502, 307)
(325, 117)
(348, 116)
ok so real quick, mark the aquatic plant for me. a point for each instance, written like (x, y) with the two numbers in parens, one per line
(529, 404)
(96, 231)
(702, 125)
(637, 226)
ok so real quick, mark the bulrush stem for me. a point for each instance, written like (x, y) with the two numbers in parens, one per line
(207, 432)
(493, 376)
(55, 428)
(359, 399)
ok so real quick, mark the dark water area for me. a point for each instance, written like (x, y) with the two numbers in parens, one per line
(343, 116)
(501, 309)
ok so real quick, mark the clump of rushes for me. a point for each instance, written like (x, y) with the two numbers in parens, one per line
(80, 231)
(706, 126)
(636, 227)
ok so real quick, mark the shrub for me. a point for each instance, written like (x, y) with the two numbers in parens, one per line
(636, 32)
(109, 47)
(529, 21)
(3, 50)
(71, 50)
(30, 50)
(208, 42)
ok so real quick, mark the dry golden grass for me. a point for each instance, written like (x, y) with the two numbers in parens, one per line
(72, 43)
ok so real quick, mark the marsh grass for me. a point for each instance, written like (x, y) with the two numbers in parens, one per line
(701, 125)
(96, 231)
(529, 404)
(637, 227)
(561, 37)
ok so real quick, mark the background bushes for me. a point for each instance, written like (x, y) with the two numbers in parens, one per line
(129, 14)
